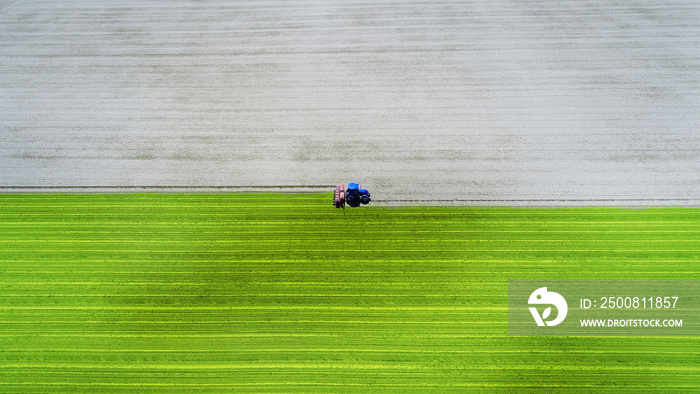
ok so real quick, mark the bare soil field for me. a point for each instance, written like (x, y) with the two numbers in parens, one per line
(498, 102)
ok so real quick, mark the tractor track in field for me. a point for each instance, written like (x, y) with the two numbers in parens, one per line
(164, 188)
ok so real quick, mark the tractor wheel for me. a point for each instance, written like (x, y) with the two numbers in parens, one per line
(364, 200)
(350, 199)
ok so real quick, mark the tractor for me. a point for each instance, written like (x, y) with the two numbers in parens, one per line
(352, 196)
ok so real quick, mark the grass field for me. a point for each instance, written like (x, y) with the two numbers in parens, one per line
(279, 292)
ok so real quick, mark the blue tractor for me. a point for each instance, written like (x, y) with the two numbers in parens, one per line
(352, 196)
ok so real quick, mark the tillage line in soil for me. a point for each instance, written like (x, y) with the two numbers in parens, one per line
(540, 200)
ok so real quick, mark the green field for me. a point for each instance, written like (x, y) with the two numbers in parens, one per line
(284, 293)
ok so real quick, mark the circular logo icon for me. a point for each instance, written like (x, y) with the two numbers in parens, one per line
(543, 297)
